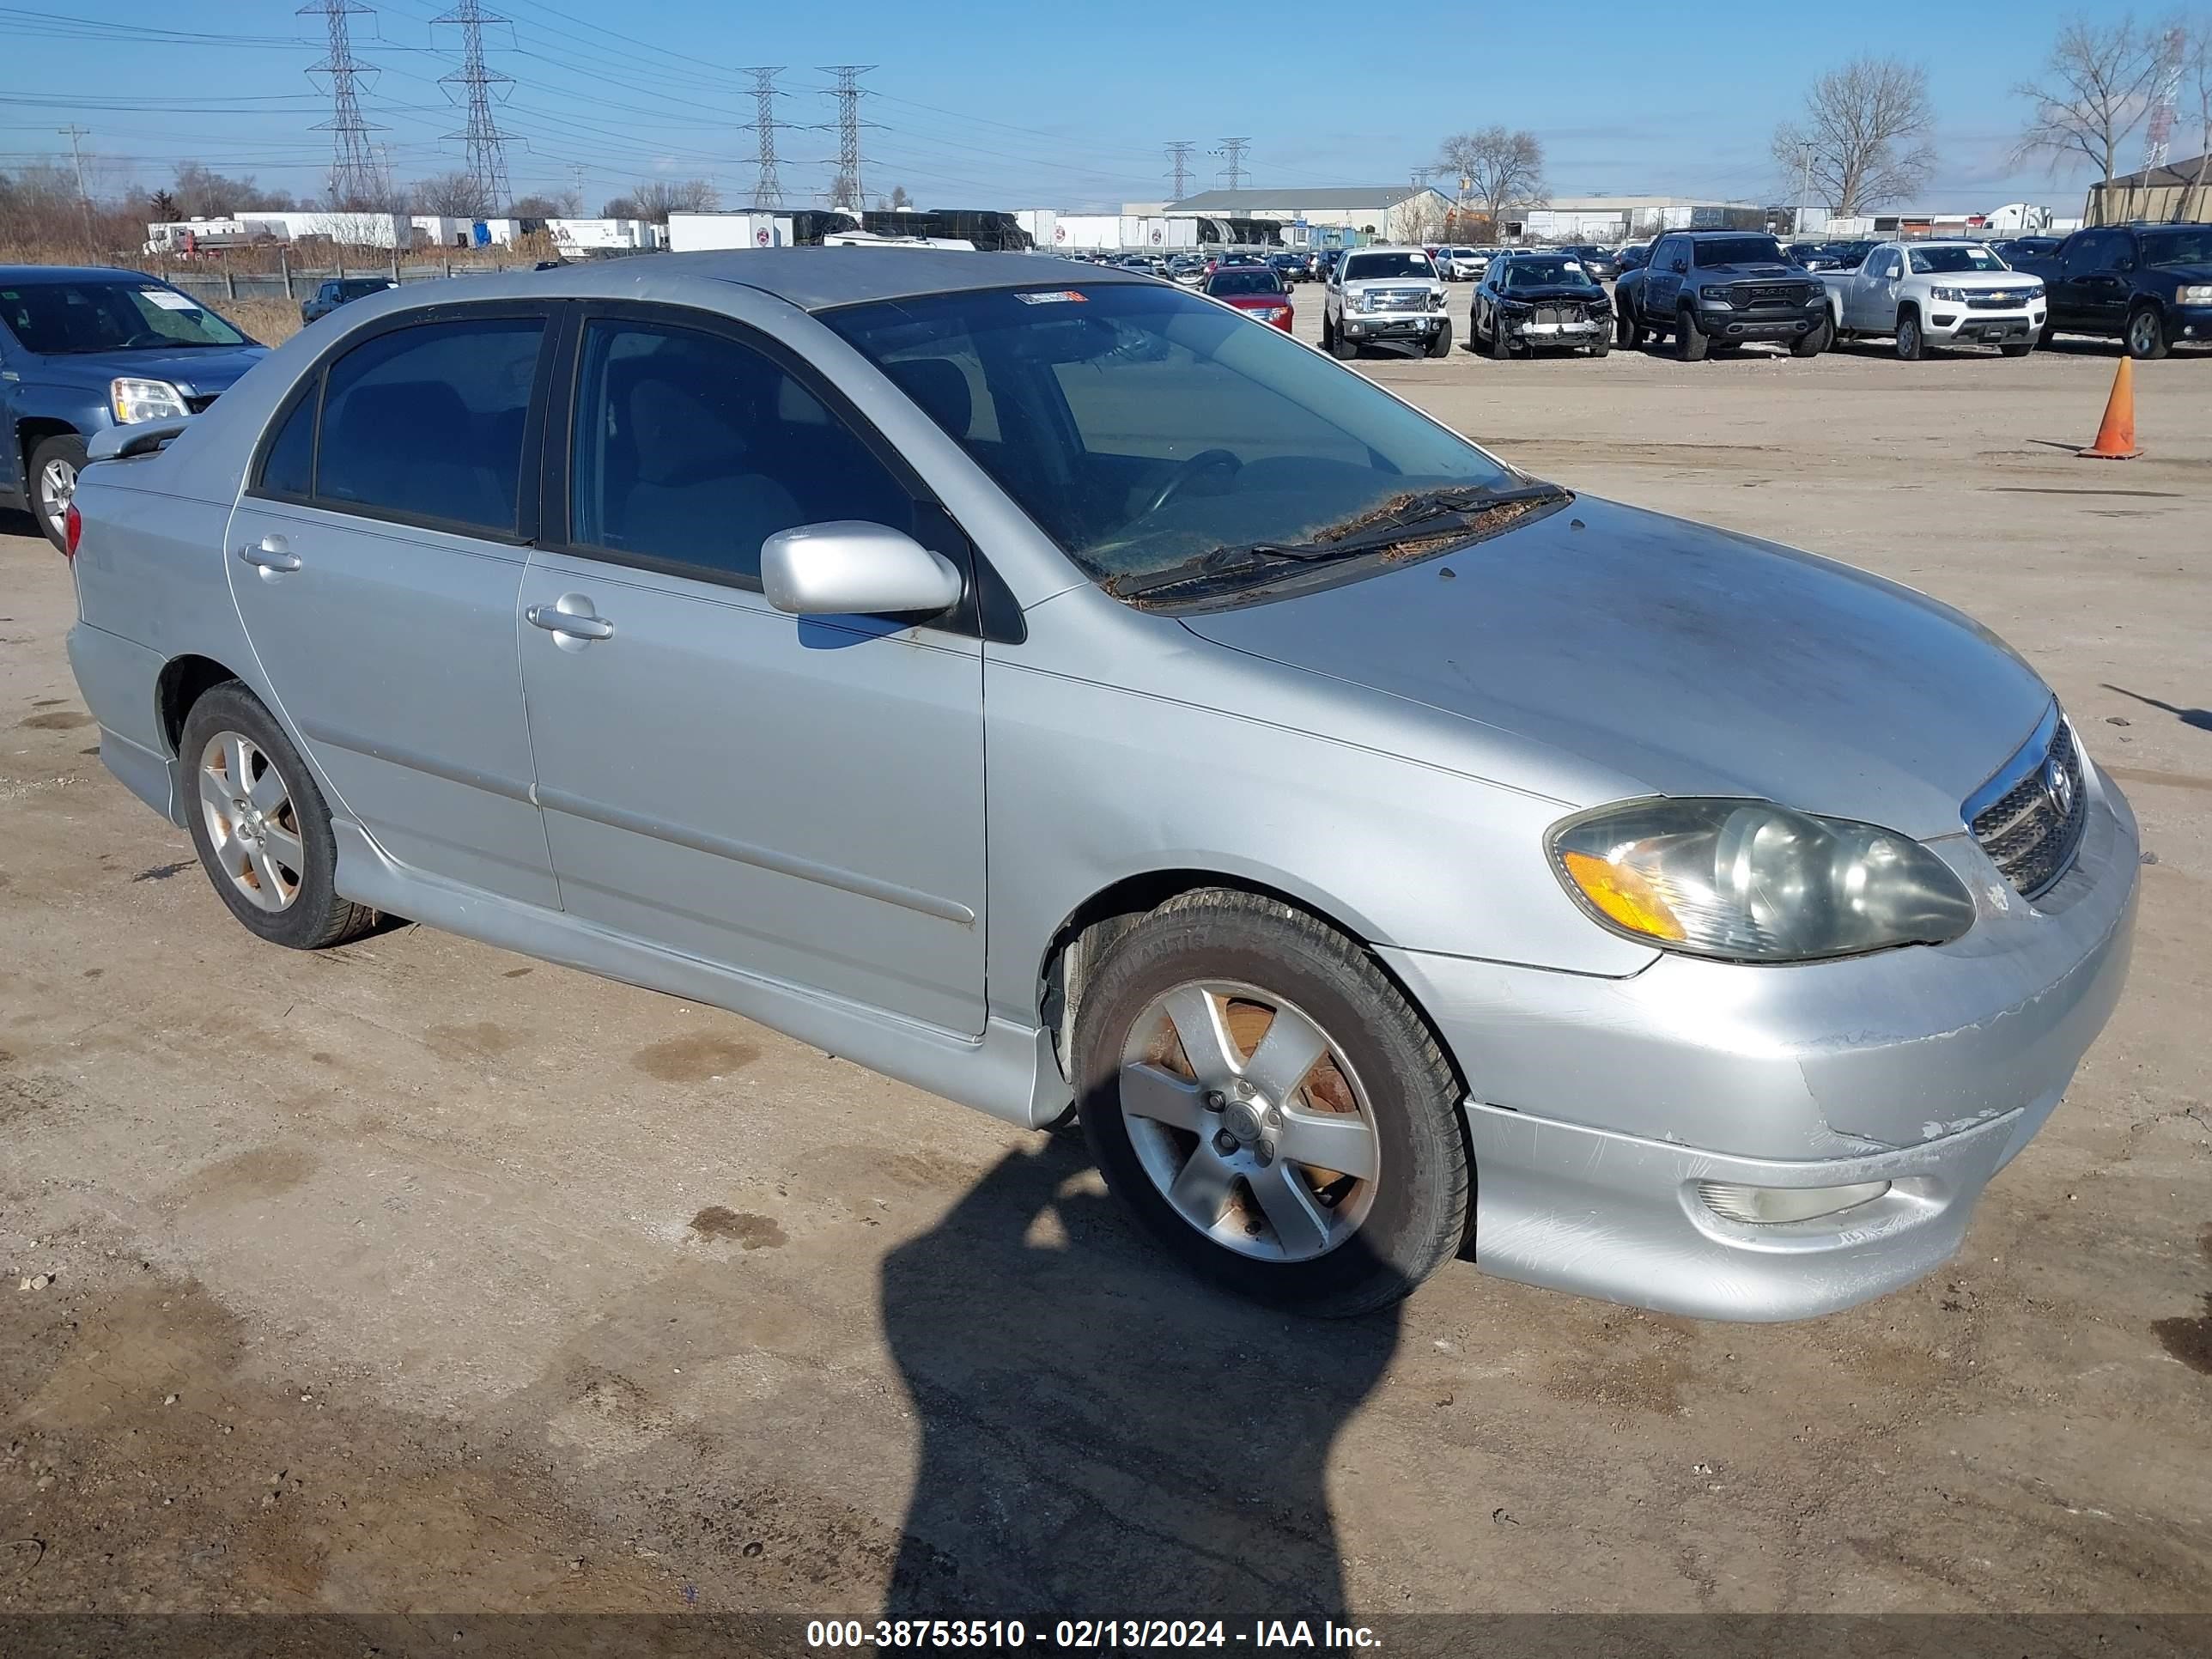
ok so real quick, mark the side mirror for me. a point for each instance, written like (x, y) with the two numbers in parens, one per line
(848, 567)
(1680, 266)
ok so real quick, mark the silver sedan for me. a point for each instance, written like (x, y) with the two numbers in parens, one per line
(1047, 688)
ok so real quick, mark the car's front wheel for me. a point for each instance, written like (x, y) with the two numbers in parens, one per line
(2146, 337)
(260, 826)
(1440, 343)
(1266, 1102)
(1344, 348)
(1911, 343)
(55, 463)
(1691, 344)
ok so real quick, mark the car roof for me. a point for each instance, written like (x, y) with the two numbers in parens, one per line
(811, 278)
(22, 276)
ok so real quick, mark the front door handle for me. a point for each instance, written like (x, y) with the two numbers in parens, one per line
(578, 625)
(271, 553)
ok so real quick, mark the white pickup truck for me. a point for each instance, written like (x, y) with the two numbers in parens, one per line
(1926, 294)
(1384, 293)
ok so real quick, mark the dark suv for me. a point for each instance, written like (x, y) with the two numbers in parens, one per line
(2149, 286)
(332, 295)
(1725, 288)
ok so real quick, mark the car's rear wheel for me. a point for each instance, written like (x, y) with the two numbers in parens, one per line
(1691, 344)
(2146, 337)
(1265, 1101)
(260, 826)
(55, 463)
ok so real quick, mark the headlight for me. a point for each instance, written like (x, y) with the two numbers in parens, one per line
(1956, 296)
(1356, 302)
(134, 400)
(2196, 294)
(1749, 881)
(1714, 301)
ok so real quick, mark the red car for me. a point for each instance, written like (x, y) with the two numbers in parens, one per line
(1254, 289)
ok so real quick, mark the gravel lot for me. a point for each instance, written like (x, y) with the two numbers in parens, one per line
(416, 1277)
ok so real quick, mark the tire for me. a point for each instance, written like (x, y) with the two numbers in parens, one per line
(1344, 349)
(1691, 344)
(1327, 334)
(1352, 1244)
(1911, 343)
(2049, 329)
(297, 907)
(1628, 331)
(1815, 341)
(1601, 345)
(1440, 346)
(2022, 350)
(2146, 336)
(55, 463)
(1501, 342)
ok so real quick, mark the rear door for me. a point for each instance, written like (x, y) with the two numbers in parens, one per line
(797, 800)
(376, 557)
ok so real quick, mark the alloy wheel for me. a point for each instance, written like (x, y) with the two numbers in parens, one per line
(1250, 1120)
(56, 490)
(251, 824)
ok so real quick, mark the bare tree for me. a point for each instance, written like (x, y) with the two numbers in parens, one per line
(566, 205)
(662, 196)
(900, 198)
(200, 192)
(1501, 167)
(1864, 139)
(162, 205)
(2094, 93)
(453, 195)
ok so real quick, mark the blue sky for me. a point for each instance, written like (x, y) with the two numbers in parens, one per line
(996, 103)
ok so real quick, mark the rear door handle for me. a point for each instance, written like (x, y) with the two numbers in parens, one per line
(271, 553)
(576, 625)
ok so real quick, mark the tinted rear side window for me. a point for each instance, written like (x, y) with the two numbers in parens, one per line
(289, 467)
(427, 422)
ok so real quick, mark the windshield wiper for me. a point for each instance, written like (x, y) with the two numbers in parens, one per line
(1401, 519)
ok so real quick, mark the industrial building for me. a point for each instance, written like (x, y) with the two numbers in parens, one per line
(1621, 218)
(2179, 192)
(1312, 217)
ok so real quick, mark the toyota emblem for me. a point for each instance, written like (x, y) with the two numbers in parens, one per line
(2058, 787)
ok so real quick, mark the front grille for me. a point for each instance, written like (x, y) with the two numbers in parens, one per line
(2033, 831)
(1770, 294)
(1398, 299)
(1561, 313)
(2001, 299)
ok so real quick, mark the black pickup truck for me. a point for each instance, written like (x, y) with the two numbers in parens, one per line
(2149, 286)
(1721, 288)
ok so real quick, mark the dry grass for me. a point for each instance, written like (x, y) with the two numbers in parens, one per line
(272, 322)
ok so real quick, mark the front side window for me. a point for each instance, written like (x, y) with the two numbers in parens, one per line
(1937, 260)
(426, 423)
(1140, 426)
(1366, 267)
(1740, 251)
(66, 319)
(2088, 253)
(690, 449)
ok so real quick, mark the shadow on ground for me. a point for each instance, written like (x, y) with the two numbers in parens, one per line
(1034, 1320)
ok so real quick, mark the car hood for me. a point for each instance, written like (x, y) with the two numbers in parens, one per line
(2184, 273)
(1686, 660)
(1762, 272)
(1999, 279)
(196, 371)
(1552, 293)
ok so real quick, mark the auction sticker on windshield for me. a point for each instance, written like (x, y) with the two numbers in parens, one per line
(1064, 296)
(168, 301)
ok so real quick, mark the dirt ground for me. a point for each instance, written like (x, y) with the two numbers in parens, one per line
(417, 1277)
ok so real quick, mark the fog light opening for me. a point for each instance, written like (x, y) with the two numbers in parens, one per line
(1734, 1200)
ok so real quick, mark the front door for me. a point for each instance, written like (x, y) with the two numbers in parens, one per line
(375, 559)
(797, 800)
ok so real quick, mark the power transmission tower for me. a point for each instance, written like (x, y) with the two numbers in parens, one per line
(846, 191)
(73, 133)
(487, 146)
(2158, 133)
(1179, 154)
(1232, 152)
(768, 191)
(355, 177)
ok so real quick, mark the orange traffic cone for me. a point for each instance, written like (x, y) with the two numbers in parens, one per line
(2116, 436)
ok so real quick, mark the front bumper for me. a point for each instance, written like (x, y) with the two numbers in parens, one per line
(1733, 324)
(2191, 322)
(1947, 324)
(1596, 1105)
(1391, 325)
(1532, 333)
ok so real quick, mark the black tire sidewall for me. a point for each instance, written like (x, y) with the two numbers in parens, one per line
(2159, 344)
(304, 924)
(70, 448)
(1418, 1216)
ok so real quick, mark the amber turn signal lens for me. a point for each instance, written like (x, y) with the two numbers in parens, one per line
(1623, 894)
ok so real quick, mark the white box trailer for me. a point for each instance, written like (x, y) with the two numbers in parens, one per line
(693, 233)
(579, 239)
(1086, 233)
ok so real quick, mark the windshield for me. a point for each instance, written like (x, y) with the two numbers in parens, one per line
(1142, 426)
(1525, 273)
(1738, 251)
(64, 319)
(2177, 247)
(1975, 258)
(1366, 267)
(1224, 283)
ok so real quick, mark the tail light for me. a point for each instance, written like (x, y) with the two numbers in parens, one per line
(72, 530)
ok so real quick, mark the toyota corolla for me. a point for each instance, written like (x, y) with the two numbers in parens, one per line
(1049, 689)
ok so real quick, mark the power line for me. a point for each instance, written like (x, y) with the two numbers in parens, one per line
(846, 191)
(487, 150)
(768, 189)
(355, 180)
(1179, 160)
